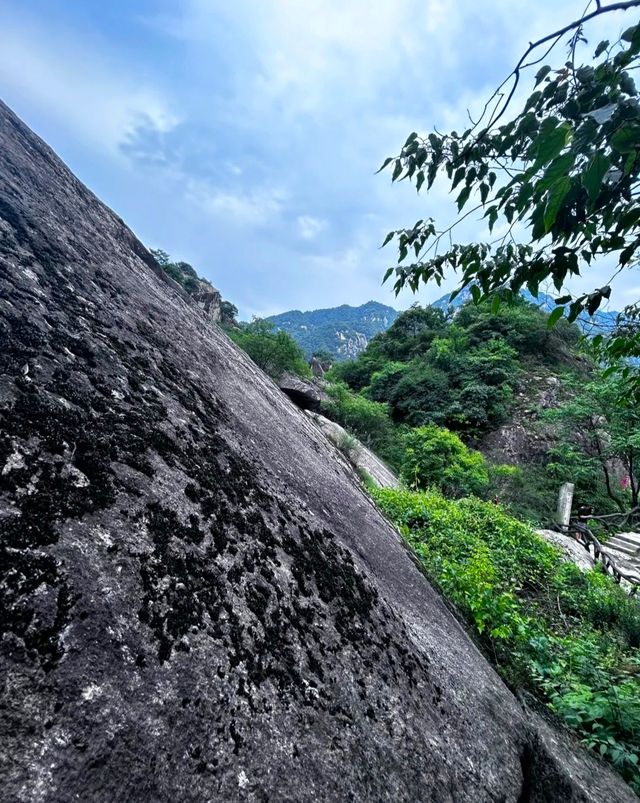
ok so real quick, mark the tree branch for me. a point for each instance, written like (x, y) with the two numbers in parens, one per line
(556, 35)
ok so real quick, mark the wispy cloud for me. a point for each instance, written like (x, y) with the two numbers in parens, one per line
(103, 102)
(254, 207)
(265, 120)
(310, 227)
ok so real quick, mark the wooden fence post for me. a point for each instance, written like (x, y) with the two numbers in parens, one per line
(565, 501)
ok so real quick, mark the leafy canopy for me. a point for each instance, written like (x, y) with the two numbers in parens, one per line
(275, 351)
(564, 172)
(437, 458)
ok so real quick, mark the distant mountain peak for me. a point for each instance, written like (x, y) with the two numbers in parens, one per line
(342, 331)
(602, 321)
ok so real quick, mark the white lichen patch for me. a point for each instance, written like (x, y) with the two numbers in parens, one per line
(243, 781)
(14, 461)
(76, 476)
(92, 691)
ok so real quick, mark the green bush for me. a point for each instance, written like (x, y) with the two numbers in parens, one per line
(571, 638)
(275, 351)
(436, 457)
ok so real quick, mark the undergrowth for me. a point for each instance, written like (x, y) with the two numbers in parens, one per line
(569, 637)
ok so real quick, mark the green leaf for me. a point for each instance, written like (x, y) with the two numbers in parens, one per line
(601, 48)
(555, 198)
(550, 141)
(388, 239)
(413, 135)
(630, 34)
(626, 139)
(463, 198)
(396, 170)
(629, 163)
(386, 162)
(475, 293)
(419, 181)
(458, 176)
(492, 214)
(594, 174)
(554, 317)
(542, 74)
(558, 167)
(387, 273)
(495, 304)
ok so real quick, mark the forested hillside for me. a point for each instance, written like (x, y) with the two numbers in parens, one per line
(602, 321)
(527, 396)
(340, 332)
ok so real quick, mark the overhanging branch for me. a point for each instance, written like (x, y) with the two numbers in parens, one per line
(553, 38)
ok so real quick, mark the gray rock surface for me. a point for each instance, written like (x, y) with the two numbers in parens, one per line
(209, 300)
(573, 551)
(303, 393)
(359, 456)
(198, 602)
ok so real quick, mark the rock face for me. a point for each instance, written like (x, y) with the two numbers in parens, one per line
(209, 300)
(524, 439)
(304, 394)
(198, 602)
(361, 458)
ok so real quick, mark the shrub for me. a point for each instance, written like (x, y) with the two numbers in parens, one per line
(435, 457)
(570, 637)
(348, 445)
(368, 420)
(274, 351)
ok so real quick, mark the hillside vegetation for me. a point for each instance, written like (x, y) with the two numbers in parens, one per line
(341, 333)
(569, 638)
(487, 376)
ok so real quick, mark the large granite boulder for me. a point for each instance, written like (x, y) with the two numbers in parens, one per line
(198, 602)
(572, 550)
(304, 393)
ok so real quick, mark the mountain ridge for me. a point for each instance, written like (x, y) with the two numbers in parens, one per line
(345, 331)
(342, 331)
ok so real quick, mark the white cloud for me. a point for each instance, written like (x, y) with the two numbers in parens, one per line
(97, 99)
(281, 103)
(252, 208)
(310, 227)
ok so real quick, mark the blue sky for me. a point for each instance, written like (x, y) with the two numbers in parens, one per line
(243, 137)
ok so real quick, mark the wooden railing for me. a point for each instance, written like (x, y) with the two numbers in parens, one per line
(616, 521)
(579, 530)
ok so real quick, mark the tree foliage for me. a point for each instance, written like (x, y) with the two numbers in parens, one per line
(274, 351)
(437, 458)
(367, 420)
(181, 272)
(457, 372)
(599, 436)
(560, 180)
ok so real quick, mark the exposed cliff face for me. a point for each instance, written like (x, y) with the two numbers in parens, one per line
(198, 602)
(209, 300)
(525, 439)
